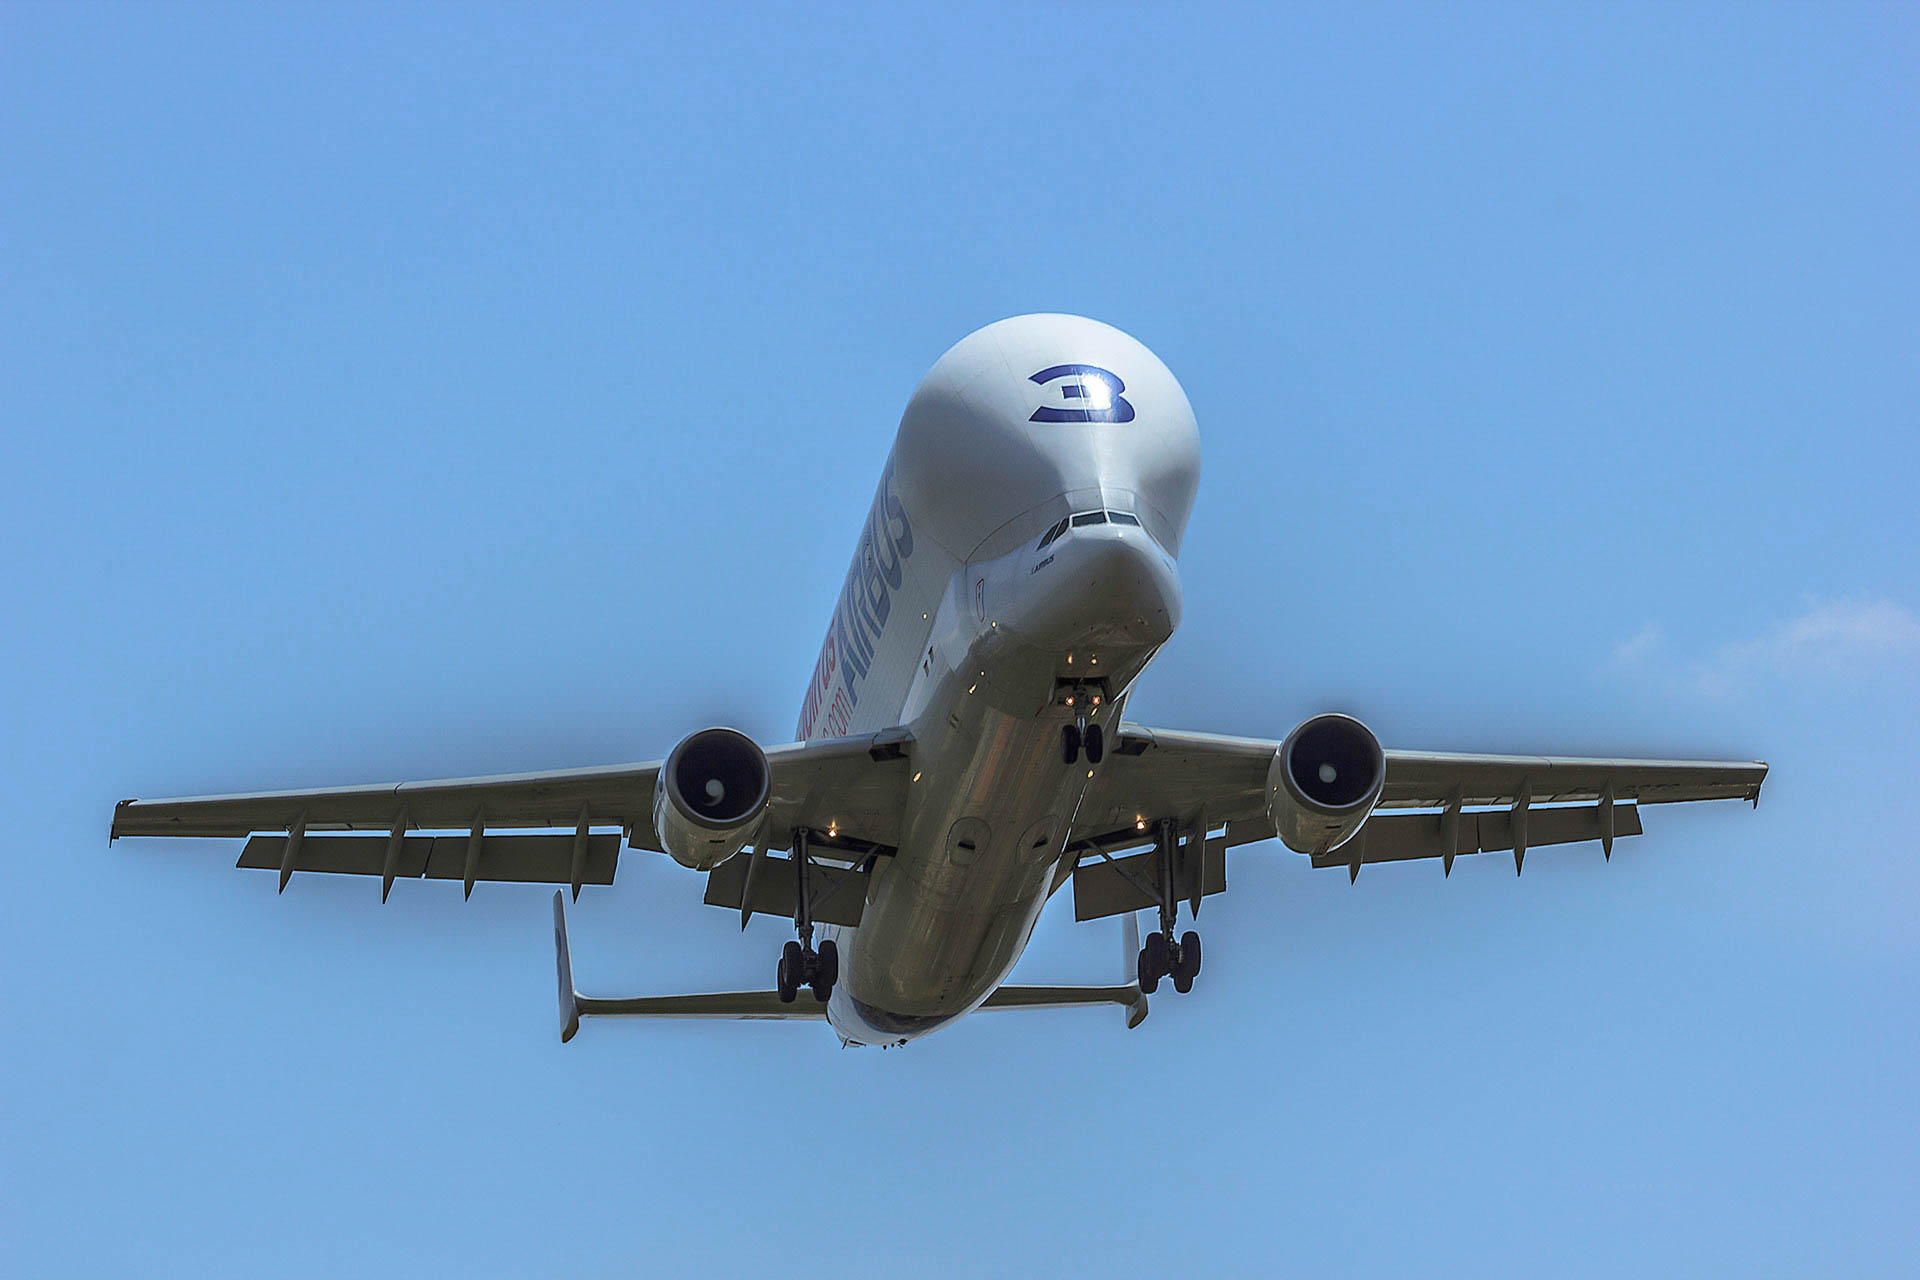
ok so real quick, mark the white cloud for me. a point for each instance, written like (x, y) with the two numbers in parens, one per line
(1641, 646)
(1827, 638)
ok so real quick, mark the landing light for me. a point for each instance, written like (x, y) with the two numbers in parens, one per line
(916, 777)
(1139, 824)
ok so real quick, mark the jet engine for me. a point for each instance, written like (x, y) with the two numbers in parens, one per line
(710, 797)
(1323, 782)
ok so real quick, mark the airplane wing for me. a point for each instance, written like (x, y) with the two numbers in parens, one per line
(855, 786)
(1433, 804)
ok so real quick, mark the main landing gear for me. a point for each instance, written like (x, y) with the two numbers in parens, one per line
(1162, 957)
(800, 965)
(1082, 735)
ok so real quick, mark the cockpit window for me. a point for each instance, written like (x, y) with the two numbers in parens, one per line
(1084, 518)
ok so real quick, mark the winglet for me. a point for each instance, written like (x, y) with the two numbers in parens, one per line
(563, 961)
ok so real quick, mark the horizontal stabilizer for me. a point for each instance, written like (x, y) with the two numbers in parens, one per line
(715, 1004)
(1126, 994)
(1126, 997)
(736, 1005)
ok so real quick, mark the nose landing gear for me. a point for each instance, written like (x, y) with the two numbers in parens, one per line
(1161, 956)
(1082, 735)
(800, 965)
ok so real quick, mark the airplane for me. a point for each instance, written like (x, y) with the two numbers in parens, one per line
(963, 752)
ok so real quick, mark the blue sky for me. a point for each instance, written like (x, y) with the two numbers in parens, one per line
(409, 392)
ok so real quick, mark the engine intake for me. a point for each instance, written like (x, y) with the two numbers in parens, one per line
(712, 792)
(1324, 781)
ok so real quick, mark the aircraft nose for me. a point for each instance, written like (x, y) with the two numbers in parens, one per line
(1106, 585)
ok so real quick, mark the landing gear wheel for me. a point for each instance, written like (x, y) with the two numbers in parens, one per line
(826, 971)
(1069, 743)
(1153, 962)
(787, 973)
(1096, 743)
(1189, 963)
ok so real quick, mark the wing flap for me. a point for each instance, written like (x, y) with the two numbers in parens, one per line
(1116, 886)
(523, 859)
(1402, 837)
(839, 894)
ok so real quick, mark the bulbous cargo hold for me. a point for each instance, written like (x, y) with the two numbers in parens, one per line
(1324, 781)
(710, 798)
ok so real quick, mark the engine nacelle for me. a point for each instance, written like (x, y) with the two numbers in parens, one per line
(1323, 782)
(710, 797)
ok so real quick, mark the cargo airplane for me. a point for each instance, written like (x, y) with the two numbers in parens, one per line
(963, 751)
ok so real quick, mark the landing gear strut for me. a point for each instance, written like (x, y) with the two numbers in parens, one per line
(1162, 957)
(800, 965)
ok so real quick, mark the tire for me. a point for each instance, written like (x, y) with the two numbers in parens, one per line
(792, 960)
(1153, 962)
(1149, 980)
(1069, 743)
(1183, 982)
(1096, 743)
(830, 962)
(1190, 954)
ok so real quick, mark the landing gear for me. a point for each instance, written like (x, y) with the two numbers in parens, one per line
(1082, 735)
(1162, 957)
(826, 971)
(787, 972)
(1188, 966)
(800, 965)
(1153, 962)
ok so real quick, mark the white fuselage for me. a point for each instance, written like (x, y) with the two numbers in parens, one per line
(958, 624)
